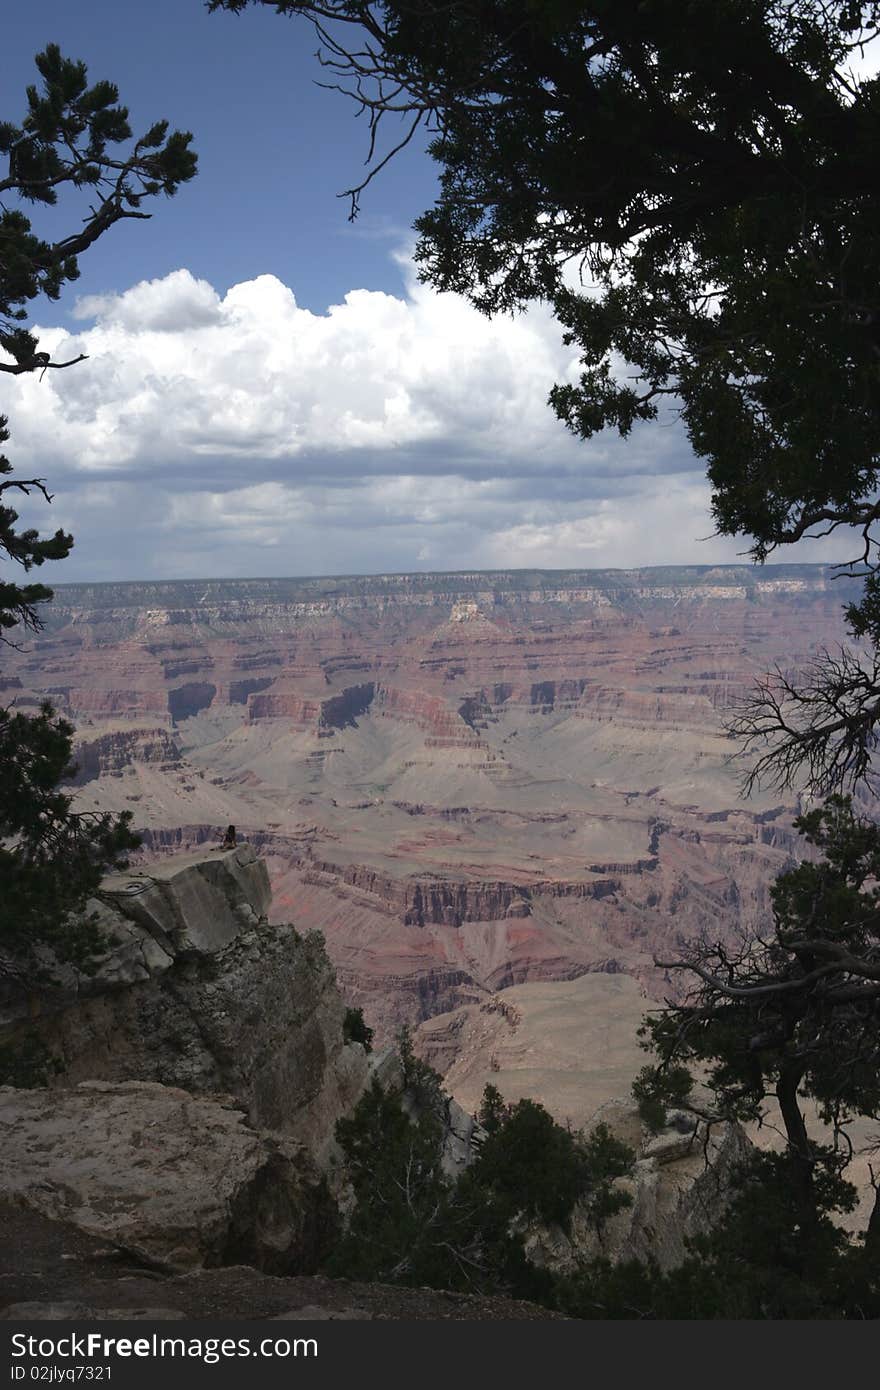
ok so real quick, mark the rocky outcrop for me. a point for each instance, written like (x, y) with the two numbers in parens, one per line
(175, 1180)
(110, 754)
(680, 1186)
(200, 991)
(420, 902)
(431, 713)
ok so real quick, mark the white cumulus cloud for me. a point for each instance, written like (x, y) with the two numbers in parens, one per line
(242, 434)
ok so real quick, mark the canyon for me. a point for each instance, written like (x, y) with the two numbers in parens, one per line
(185, 1123)
(468, 783)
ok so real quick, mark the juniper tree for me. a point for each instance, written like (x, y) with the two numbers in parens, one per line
(413, 1224)
(786, 1021)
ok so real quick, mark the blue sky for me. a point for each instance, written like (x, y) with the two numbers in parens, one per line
(269, 391)
(274, 148)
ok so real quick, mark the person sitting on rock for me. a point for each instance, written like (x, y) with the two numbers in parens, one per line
(231, 840)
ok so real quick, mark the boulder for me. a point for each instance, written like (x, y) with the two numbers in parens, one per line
(176, 1180)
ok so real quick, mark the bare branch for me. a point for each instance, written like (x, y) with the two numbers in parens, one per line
(815, 727)
(40, 359)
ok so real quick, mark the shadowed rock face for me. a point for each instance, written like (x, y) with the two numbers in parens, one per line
(240, 690)
(186, 700)
(343, 711)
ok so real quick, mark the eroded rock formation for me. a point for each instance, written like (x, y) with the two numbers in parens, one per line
(463, 781)
(199, 991)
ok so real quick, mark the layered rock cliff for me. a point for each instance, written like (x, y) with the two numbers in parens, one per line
(111, 753)
(199, 991)
(463, 781)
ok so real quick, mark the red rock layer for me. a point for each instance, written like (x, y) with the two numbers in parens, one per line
(464, 781)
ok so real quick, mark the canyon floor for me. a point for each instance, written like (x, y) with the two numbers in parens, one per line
(498, 796)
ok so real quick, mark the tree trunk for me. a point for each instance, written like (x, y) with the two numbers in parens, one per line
(872, 1234)
(800, 1149)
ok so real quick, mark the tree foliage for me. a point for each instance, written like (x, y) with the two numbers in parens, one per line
(413, 1224)
(355, 1029)
(393, 1164)
(786, 1023)
(18, 602)
(694, 189)
(536, 1170)
(65, 143)
(52, 857)
(68, 139)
